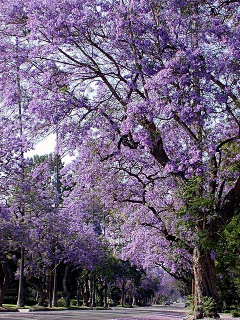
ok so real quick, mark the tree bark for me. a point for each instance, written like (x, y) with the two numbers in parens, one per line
(20, 300)
(42, 295)
(41, 298)
(66, 293)
(2, 293)
(105, 295)
(134, 301)
(5, 281)
(79, 293)
(55, 297)
(123, 294)
(93, 294)
(50, 289)
(205, 282)
(101, 297)
(85, 291)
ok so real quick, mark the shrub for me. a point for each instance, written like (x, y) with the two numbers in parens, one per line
(209, 306)
(10, 300)
(235, 312)
(189, 301)
(61, 303)
(73, 302)
(30, 301)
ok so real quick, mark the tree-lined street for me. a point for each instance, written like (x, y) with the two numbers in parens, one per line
(144, 96)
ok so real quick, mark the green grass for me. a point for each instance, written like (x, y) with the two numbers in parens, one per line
(13, 307)
(9, 306)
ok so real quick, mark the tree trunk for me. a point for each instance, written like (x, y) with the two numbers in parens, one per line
(20, 300)
(205, 283)
(41, 294)
(123, 294)
(50, 289)
(41, 298)
(79, 293)
(101, 297)
(5, 281)
(134, 301)
(105, 296)
(55, 297)
(93, 294)
(85, 291)
(90, 285)
(66, 293)
(2, 293)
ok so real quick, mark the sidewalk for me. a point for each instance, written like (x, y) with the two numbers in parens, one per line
(228, 317)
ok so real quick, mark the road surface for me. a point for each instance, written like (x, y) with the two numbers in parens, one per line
(174, 312)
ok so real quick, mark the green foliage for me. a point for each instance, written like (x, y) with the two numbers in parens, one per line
(61, 303)
(209, 306)
(125, 306)
(63, 89)
(198, 209)
(189, 301)
(30, 301)
(230, 150)
(10, 299)
(235, 312)
(194, 201)
(73, 302)
(228, 264)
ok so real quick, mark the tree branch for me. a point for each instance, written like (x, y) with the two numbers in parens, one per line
(187, 129)
(223, 87)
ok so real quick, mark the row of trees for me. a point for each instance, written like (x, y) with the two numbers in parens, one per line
(146, 93)
(63, 259)
(63, 255)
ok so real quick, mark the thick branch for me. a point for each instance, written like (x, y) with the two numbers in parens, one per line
(174, 275)
(223, 87)
(127, 141)
(157, 149)
(159, 153)
(187, 129)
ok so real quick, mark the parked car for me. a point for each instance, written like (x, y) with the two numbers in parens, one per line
(167, 303)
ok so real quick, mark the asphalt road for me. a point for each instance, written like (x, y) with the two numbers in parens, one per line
(174, 312)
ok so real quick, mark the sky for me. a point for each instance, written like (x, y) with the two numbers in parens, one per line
(47, 146)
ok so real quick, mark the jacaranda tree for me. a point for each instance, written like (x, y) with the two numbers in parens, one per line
(147, 92)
